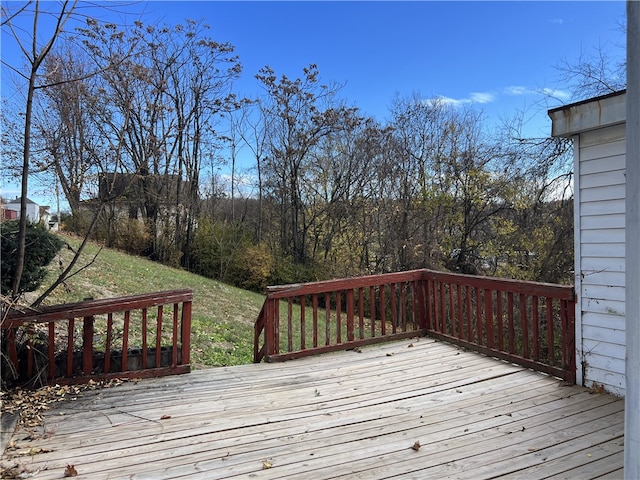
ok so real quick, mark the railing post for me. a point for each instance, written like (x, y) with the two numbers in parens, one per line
(567, 312)
(269, 327)
(185, 334)
(87, 345)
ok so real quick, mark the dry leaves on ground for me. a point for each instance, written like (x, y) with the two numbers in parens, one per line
(30, 404)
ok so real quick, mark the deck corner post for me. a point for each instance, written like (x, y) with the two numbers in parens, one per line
(185, 333)
(270, 327)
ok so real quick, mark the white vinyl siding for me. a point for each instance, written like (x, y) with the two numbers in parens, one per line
(600, 258)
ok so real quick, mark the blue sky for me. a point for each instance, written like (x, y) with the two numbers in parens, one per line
(495, 56)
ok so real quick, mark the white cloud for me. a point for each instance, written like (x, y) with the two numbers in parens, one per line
(550, 92)
(488, 97)
(516, 90)
(456, 102)
(474, 97)
(559, 94)
(558, 21)
(482, 97)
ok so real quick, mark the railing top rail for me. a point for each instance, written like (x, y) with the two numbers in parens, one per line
(283, 291)
(561, 292)
(95, 307)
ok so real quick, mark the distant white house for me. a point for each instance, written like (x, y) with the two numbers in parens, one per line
(597, 127)
(35, 212)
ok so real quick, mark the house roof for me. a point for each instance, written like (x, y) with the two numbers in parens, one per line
(19, 199)
(598, 112)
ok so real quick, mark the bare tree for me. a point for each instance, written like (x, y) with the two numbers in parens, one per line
(171, 94)
(594, 74)
(34, 51)
(301, 112)
(73, 143)
(251, 127)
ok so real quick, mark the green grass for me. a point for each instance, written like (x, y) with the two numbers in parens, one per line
(223, 316)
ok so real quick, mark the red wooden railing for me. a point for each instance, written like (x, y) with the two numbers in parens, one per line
(125, 337)
(528, 323)
(339, 314)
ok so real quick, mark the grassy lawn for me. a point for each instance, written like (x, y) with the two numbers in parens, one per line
(223, 316)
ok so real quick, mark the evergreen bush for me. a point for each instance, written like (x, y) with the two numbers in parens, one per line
(41, 247)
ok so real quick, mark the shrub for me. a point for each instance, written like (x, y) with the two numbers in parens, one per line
(131, 235)
(41, 248)
(254, 267)
(216, 247)
(77, 223)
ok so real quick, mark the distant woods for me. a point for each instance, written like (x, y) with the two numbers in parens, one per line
(141, 126)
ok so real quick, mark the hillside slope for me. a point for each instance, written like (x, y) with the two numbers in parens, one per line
(223, 316)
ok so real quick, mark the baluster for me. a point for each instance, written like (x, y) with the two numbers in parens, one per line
(51, 341)
(314, 302)
(174, 356)
(87, 345)
(144, 338)
(350, 311)
(125, 342)
(525, 325)
(488, 316)
(303, 331)
(535, 327)
(107, 347)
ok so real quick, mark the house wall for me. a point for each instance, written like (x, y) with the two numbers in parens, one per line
(600, 256)
(33, 210)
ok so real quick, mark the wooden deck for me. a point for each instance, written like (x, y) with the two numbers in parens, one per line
(340, 415)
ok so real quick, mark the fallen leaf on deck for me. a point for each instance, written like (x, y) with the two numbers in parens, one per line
(266, 464)
(70, 471)
(165, 417)
(410, 345)
(33, 451)
(415, 446)
(29, 404)
(390, 354)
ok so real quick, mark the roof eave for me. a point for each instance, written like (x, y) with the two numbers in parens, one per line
(591, 114)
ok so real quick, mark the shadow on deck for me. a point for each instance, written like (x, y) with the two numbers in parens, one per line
(354, 414)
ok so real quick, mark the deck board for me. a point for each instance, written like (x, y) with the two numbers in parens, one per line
(340, 415)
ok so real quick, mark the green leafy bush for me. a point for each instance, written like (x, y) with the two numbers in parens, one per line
(254, 270)
(131, 236)
(41, 248)
(226, 252)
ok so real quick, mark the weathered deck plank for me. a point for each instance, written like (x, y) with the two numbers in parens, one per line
(341, 415)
